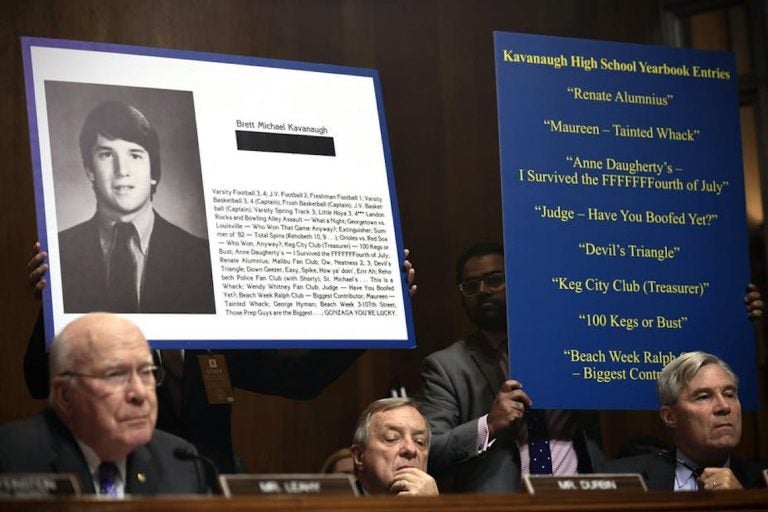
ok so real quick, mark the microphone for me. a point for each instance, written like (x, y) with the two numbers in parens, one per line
(211, 470)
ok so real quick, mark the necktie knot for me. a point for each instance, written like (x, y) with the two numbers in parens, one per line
(123, 232)
(108, 475)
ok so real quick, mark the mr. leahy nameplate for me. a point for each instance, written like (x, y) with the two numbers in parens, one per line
(596, 482)
(39, 485)
(273, 484)
(260, 197)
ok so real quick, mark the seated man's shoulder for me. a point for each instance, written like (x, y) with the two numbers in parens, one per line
(634, 464)
(23, 442)
(750, 472)
(180, 467)
(171, 444)
(23, 427)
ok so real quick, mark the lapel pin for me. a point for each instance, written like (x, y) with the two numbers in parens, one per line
(141, 477)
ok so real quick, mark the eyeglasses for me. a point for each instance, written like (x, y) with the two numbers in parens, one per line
(120, 377)
(494, 281)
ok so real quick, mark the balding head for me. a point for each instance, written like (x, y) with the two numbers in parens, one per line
(75, 344)
(102, 385)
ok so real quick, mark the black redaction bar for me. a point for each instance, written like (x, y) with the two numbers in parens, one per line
(285, 143)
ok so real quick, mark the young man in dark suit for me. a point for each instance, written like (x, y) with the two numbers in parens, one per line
(127, 258)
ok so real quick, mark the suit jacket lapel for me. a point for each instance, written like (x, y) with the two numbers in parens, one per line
(141, 474)
(67, 457)
(663, 476)
(486, 360)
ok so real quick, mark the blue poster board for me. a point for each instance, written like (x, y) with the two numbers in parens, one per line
(624, 223)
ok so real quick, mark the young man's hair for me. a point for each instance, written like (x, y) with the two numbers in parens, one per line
(478, 249)
(116, 120)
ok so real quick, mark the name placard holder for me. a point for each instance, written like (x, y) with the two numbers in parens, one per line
(540, 484)
(39, 485)
(287, 483)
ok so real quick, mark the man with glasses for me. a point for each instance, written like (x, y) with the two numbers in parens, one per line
(188, 413)
(480, 418)
(101, 421)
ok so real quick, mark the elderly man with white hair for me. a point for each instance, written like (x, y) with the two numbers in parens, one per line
(101, 421)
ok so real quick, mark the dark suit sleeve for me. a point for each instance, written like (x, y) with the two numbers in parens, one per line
(750, 473)
(452, 442)
(300, 375)
(36, 361)
(657, 472)
(155, 468)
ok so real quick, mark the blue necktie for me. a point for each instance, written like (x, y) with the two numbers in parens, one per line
(108, 475)
(538, 442)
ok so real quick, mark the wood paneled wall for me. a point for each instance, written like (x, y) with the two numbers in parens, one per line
(436, 63)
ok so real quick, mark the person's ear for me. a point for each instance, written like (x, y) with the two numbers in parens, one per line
(668, 416)
(357, 457)
(89, 174)
(61, 396)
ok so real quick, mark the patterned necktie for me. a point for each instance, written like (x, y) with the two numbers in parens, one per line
(122, 271)
(538, 442)
(108, 475)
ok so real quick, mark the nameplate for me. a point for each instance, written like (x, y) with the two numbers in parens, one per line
(273, 484)
(38, 485)
(536, 484)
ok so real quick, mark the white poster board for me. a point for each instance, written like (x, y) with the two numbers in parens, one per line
(280, 171)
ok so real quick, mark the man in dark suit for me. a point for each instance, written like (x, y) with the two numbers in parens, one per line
(101, 423)
(127, 258)
(698, 393)
(477, 413)
(300, 376)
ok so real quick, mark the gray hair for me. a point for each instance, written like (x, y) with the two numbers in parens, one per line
(59, 358)
(681, 371)
(363, 427)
